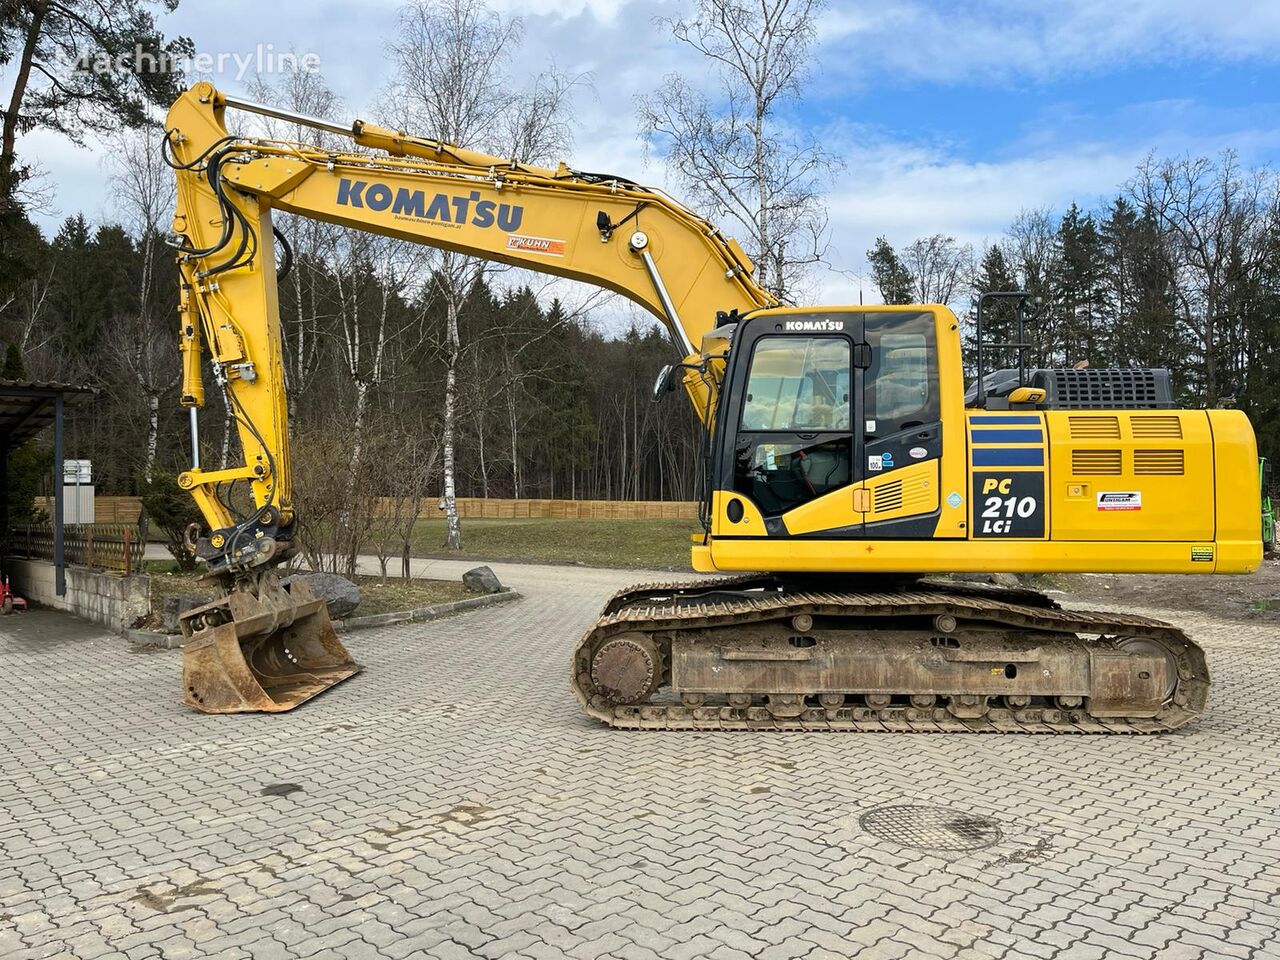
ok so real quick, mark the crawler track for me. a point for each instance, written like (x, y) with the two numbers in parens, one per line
(773, 635)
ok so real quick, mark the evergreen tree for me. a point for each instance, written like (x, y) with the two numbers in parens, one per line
(14, 368)
(998, 326)
(892, 278)
(1078, 294)
(1140, 290)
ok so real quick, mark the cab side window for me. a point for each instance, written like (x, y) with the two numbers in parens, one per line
(901, 386)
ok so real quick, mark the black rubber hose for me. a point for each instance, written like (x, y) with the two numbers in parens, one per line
(286, 255)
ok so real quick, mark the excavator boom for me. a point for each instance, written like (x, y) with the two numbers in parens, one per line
(600, 229)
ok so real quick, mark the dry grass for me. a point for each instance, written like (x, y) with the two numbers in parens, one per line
(626, 544)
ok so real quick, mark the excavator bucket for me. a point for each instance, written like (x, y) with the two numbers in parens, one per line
(265, 652)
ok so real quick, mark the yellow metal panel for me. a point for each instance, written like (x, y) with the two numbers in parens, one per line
(1239, 497)
(1131, 475)
(906, 492)
(701, 560)
(982, 556)
(751, 524)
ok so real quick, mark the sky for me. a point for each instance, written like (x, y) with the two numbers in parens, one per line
(948, 117)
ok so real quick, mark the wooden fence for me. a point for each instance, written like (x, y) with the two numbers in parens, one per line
(110, 546)
(116, 510)
(105, 509)
(493, 509)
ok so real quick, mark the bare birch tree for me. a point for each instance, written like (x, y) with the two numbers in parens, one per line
(450, 80)
(310, 239)
(1219, 221)
(940, 268)
(732, 149)
(144, 192)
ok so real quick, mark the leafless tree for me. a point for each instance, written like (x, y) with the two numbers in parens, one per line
(144, 191)
(1218, 219)
(732, 149)
(450, 80)
(307, 93)
(940, 267)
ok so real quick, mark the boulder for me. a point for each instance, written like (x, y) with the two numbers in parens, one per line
(340, 594)
(174, 607)
(1004, 579)
(481, 580)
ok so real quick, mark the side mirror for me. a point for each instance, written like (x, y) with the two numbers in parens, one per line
(667, 381)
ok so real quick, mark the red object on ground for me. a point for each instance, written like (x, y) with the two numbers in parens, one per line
(10, 601)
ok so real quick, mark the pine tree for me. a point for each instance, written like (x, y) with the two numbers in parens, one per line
(1078, 294)
(998, 326)
(14, 368)
(892, 278)
(1140, 290)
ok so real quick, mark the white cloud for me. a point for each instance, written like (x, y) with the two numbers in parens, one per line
(994, 40)
(605, 11)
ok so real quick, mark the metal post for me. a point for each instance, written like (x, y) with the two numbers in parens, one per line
(4, 492)
(981, 399)
(60, 573)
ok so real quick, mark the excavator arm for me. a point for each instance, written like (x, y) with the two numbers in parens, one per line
(265, 646)
(602, 230)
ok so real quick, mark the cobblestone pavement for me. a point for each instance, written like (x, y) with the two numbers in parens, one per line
(451, 802)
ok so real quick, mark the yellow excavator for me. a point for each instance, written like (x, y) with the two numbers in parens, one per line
(850, 475)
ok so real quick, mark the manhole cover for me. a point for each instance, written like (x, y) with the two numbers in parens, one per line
(931, 828)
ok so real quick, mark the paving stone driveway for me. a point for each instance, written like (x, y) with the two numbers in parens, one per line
(452, 802)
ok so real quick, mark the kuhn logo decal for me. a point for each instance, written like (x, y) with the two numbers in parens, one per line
(439, 208)
(552, 248)
(819, 326)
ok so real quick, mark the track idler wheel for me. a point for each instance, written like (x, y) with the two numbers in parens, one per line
(627, 669)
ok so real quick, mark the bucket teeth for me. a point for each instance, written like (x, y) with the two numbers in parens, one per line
(263, 651)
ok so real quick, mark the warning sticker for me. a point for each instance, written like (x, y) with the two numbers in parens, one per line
(552, 248)
(1120, 500)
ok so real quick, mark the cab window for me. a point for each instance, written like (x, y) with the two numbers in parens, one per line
(798, 384)
(901, 386)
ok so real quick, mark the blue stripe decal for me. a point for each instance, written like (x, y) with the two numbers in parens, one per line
(1010, 457)
(1008, 436)
(1007, 421)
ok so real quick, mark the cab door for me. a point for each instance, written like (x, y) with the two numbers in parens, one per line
(901, 425)
(795, 440)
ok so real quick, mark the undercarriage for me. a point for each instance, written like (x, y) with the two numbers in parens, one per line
(763, 653)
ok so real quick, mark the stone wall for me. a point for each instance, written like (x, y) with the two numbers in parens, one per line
(107, 598)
